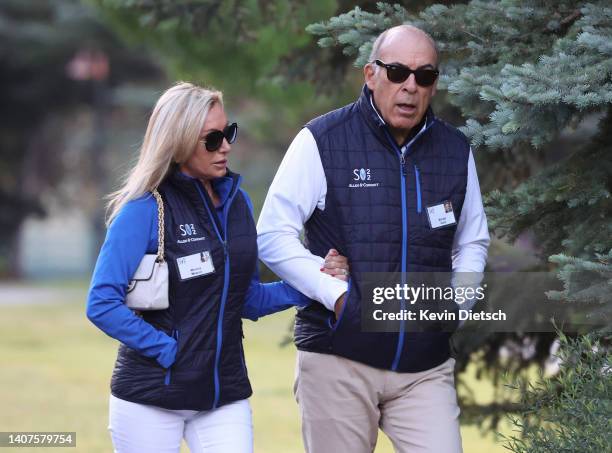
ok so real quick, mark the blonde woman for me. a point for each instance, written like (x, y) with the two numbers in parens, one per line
(180, 372)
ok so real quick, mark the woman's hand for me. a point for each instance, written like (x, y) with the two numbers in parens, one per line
(336, 265)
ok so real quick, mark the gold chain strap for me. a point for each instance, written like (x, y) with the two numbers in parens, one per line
(160, 226)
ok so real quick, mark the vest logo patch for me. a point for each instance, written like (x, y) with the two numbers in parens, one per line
(187, 230)
(361, 176)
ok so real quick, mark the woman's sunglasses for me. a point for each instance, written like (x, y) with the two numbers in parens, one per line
(213, 140)
(398, 73)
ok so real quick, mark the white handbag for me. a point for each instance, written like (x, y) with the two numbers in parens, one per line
(148, 289)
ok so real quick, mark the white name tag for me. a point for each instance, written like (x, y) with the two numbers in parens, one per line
(441, 215)
(195, 265)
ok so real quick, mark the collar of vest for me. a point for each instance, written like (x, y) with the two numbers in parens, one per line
(375, 120)
(225, 186)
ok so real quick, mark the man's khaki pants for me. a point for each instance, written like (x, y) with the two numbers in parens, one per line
(343, 402)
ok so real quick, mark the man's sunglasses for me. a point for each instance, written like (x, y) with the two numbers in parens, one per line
(213, 140)
(398, 73)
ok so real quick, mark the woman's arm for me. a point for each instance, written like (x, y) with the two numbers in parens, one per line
(132, 234)
(266, 298)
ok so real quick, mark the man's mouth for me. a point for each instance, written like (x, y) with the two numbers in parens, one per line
(406, 108)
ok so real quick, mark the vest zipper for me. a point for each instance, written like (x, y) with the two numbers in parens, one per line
(400, 339)
(417, 178)
(402, 159)
(226, 275)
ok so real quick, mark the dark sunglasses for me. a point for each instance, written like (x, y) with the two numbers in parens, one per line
(398, 73)
(213, 140)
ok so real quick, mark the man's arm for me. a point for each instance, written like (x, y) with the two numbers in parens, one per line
(472, 236)
(299, 187)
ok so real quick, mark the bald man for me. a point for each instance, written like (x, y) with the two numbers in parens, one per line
(395, 190)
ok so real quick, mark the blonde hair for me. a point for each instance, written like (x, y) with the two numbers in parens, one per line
(172, 136)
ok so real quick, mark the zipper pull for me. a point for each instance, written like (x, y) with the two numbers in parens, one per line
(403, 164)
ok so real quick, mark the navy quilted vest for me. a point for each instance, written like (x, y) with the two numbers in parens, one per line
(205, 312)
(375, 215)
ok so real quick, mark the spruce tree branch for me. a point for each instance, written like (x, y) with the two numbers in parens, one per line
(565, 24)
(505, 407)
(483, 41)
(569, 20)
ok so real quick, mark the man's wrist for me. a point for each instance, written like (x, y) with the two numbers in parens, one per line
(332, 290)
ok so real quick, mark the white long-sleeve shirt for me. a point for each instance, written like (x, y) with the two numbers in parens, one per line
(300, 187)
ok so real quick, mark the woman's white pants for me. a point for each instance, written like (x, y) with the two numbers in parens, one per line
(138, 428)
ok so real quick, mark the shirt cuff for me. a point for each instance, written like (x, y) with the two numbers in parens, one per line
(330, 289)
(168, 356)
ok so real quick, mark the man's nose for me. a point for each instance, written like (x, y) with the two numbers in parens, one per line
(410, 84)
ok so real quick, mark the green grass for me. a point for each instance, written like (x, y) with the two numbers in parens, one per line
(56, 368)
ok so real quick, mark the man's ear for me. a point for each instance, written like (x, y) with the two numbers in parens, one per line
(369, 74)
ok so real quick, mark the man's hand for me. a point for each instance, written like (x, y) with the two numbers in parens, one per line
(339, 305)
(336, 265)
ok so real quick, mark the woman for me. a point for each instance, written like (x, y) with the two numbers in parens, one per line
(180, 372)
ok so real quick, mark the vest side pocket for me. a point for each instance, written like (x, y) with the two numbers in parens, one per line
(168, 376)
(244, 368)
(417, 180)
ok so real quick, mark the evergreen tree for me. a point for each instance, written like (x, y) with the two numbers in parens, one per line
(524, 74)
(569, 413)
(236, 46)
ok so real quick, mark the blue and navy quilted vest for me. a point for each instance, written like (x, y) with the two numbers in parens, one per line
(375, 215)
(205, 312)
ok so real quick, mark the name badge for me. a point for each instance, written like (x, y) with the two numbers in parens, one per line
(441, 215)
(195, 265)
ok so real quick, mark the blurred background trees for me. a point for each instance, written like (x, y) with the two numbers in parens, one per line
(56, 57)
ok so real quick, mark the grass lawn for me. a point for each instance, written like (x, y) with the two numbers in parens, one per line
(56, 369)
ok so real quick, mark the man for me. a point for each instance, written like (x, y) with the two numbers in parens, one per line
(364, 179)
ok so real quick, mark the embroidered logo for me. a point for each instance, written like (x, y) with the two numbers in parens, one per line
(187, 231)
(360, 176)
